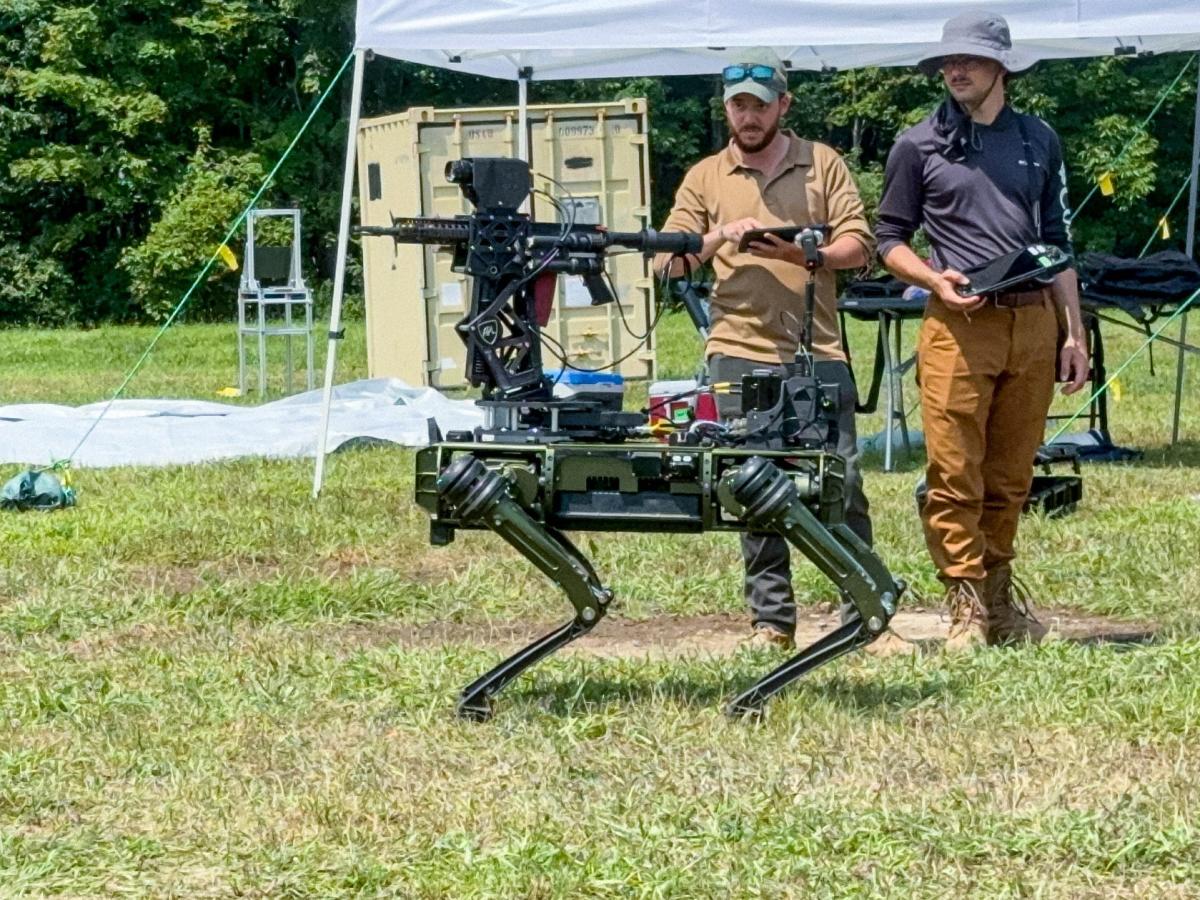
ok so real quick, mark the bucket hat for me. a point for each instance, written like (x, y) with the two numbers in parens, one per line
(976, 34)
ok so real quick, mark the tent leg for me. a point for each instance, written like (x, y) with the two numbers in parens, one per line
(1191, 247)
(339, 275)
(523, 113)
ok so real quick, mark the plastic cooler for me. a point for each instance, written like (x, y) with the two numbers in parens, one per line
(607, 388)
(665, 404)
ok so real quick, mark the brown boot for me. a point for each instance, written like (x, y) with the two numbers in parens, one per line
(890, 644)
(768, 637)
(1010, 615)
(968, 616)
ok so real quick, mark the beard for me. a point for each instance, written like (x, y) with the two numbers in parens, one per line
(751, 141)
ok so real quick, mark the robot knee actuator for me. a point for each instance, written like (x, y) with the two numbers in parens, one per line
(479, 493)
(760, 494)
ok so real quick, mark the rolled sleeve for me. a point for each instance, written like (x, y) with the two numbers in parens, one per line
(688, 214)
(847, 216)
(903, 197)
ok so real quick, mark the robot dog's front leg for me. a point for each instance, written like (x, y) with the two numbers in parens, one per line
(481, 495)
(760, 494)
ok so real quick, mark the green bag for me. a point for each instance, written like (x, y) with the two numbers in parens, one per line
(34, 489)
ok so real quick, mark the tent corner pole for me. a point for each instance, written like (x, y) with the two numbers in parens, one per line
(1180, 361)
(339, 275)
(523, 75)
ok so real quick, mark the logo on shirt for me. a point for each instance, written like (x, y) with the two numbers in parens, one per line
(1068, 216)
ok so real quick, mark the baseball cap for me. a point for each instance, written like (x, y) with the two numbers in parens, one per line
(758, 72)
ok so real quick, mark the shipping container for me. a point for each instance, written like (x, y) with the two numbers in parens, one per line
(591, 156)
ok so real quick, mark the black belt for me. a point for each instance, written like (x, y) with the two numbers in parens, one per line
(1017, 299)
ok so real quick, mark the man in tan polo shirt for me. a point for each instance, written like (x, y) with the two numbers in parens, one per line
(767, 177)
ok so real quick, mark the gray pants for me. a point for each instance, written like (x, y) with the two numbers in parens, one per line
(768, 583)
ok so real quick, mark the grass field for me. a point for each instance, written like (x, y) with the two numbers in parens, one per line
(212, 686)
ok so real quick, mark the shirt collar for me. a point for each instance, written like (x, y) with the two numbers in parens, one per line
(799, 153)
(1004, 119)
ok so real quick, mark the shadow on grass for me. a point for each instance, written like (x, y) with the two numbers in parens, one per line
(1104, 636)
(1185, 453)
(581, 692)
(1119, 640)
(871, 461)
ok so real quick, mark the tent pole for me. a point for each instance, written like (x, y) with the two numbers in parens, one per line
(1190, 247)
(339, 274)
(523, 112)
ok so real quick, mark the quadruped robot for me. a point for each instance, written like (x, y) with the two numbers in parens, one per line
(541, 466)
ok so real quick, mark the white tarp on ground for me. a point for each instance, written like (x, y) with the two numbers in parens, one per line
(167, 432)
(568, 39)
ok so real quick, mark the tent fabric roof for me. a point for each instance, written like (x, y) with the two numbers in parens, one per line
(559, 39)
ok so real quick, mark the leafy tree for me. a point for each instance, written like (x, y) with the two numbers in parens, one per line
(102, 111)
(133, 133)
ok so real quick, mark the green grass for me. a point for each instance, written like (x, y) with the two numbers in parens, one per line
(202, 693)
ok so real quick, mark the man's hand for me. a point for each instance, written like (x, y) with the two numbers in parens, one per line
(731, 232)
(1072, 366)
(775, 247)
(945, 283)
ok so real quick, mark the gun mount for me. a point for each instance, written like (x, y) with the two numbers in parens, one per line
(541, 467)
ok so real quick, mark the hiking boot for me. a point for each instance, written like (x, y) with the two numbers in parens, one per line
(1010, 615)
(768, 637)
(890, 644)
(968, 615)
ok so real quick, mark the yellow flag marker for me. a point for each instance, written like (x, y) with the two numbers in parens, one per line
(1164, 228)
(1115, 387)
(1106, 184)
(227, 257)
(229, 392)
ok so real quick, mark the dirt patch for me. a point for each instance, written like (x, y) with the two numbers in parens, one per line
(709, 635)
(172, 581)
(663, 637)
(143, 634)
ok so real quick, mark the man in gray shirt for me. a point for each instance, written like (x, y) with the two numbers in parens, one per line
(982, 180)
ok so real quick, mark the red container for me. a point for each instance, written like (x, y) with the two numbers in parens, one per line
(706, 406)
(684, 410)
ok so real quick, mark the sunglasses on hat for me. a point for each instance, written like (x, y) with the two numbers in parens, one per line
(738, 73)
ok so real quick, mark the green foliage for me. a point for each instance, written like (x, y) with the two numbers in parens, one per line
(877, 104)
(131, 135)
(193, 222)
(1125, 150)
(33, 288)
(121, 121)
(1098, 107)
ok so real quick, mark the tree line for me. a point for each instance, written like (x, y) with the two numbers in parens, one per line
(132, 133)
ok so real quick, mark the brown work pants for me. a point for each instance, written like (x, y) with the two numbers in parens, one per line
(986, 381)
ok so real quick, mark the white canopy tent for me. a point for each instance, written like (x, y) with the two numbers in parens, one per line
(569, 39)
(564, 39)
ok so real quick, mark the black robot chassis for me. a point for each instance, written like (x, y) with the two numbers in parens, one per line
(532, 495)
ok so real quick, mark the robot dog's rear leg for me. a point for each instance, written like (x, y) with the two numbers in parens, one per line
(767, 499)
(479, 494)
